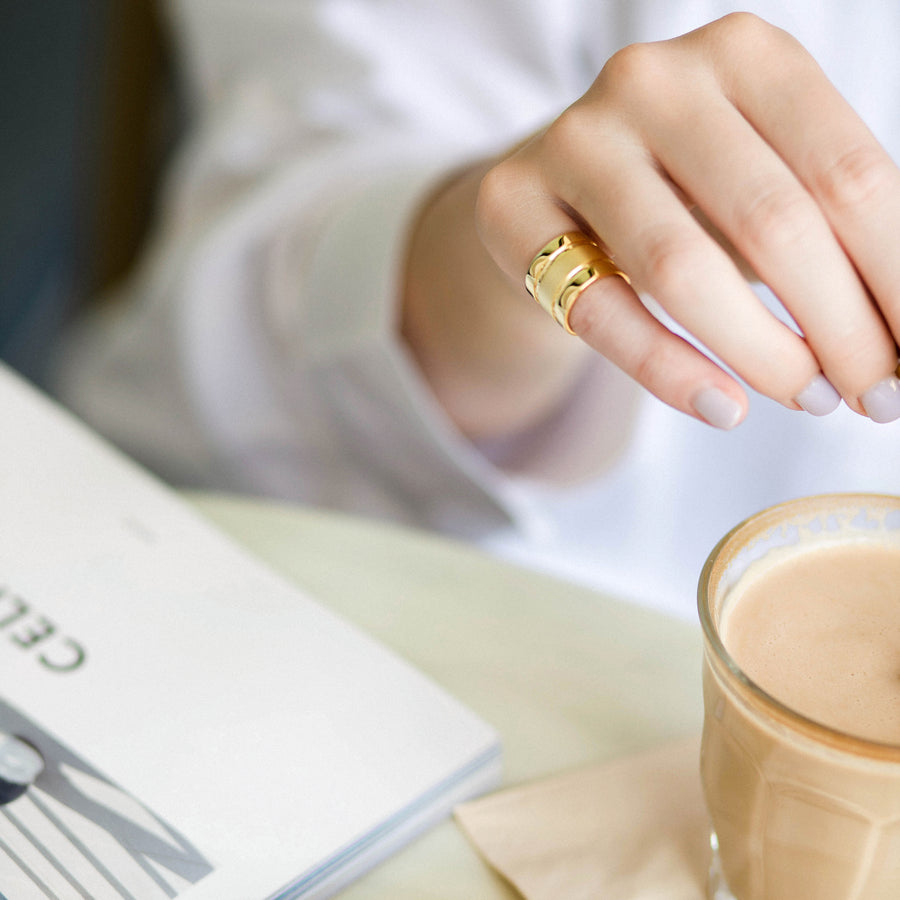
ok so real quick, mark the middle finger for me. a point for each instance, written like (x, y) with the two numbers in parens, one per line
(778, 227)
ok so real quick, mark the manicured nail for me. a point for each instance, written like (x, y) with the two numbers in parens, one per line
(717, 408)
(882, 401)
(819, 397)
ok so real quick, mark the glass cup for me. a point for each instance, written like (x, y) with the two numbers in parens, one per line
(797, 809)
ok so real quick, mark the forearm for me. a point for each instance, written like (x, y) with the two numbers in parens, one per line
(492, 358)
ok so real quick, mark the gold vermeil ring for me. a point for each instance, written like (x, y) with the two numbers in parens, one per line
(563, 269)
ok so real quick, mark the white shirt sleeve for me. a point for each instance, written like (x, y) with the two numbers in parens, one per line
(256, 347)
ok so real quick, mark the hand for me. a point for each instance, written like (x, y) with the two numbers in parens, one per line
(735, 125)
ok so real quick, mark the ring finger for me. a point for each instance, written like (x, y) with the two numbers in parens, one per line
(609, 315)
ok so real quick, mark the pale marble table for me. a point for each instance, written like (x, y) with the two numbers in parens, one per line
(567, 676)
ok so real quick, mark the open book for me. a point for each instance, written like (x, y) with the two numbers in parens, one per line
(202, 729)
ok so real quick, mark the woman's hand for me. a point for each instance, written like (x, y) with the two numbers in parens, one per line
(733, 126)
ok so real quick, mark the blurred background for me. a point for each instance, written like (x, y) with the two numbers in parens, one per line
(90, 109)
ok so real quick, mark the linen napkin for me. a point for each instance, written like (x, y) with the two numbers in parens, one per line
(632, 829)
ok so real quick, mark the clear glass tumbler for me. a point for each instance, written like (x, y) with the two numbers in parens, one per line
(797, 809)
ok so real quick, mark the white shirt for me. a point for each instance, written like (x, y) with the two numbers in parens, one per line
(256, 349)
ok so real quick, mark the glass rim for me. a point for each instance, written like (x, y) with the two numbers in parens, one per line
(757, 524)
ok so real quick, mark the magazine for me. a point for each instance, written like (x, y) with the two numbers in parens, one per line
(175, 719)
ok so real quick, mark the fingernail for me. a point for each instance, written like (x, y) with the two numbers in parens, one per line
(882, 401)
(717, 408)
(819, 397)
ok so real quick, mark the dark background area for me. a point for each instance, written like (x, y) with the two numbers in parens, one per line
(89, 110)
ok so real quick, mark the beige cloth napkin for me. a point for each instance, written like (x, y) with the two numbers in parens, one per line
(632, 829)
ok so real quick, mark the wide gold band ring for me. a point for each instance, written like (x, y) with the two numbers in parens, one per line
(563, 269)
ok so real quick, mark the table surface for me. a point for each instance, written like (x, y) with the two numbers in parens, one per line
(568, 677)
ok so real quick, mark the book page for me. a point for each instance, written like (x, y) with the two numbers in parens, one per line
(203, 723)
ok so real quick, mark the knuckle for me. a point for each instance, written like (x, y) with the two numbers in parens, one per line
(636, 71)
(857, 350)
(492, 189)
(653, 365)
(499, 190)
(646, 367)
(671, 262)
(775, 217)
(569, 131)
(742, 39)
(856, 178)
(746, 30)
(744, 25)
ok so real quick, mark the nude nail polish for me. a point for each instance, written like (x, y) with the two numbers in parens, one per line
(882, 401)
(819, 398)
(717, 408)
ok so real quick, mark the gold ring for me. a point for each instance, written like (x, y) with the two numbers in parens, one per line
(563, 269)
